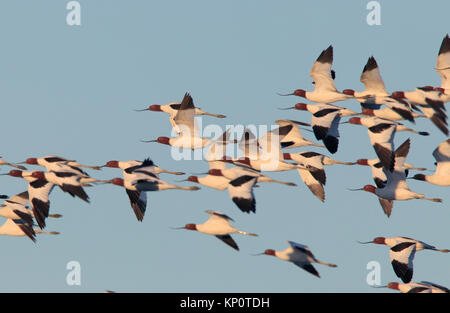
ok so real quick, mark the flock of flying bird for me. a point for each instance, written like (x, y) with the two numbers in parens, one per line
(380, 114)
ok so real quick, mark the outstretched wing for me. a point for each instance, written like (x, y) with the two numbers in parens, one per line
(321, 71)
(38, 192)
(371, 77)
(241, 192)
(229, 241)
(402, 256)
(138, 201)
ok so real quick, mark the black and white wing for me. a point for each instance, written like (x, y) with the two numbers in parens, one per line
(38, 192)
(138, 201)
(371, 77)
(321, 71)
(402, 256)
(241, 192)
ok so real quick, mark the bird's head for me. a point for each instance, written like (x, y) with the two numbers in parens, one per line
(117, 181)
(398, 95)
(215, 172)
(355, 121)
(362, 162)
(301, 106)
(394, 286)
(419, 177)
(190, 227)
(155, 108)
(348, 92)
(113, 164)
(369, 112)
(14, 173)
(38, 175)
(32, 161)
(269, 252)
(163, 140)
(193, 179)
(369, 188)
(299, 93)
(287, 156)
(379, 240)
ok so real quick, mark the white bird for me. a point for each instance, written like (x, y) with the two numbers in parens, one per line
(325, 121)
(240, 186)
(69, 182)
(378, 174)
(430, 103)
(375, 95)
(173, 108)
(219, 226)
(294, 138)
(65, 168)
(380, 178)
(15, 208)
(314, 174)
(38, 195)
(131, 164)
(300, 255)
(402, 253)
(242, 180)
(388, 114)
(325, 91)
(441, 176)
(443, 68)
(211, 181)
(137, 181)
(264, 153)
(19, 228)
(395, 187)
(381, 133)
(413, 287)
(53, 162)
(371, 78)
(189, 136)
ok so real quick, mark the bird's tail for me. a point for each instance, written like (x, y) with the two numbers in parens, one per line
(442, 250)
(88, 180)
(282, 182)
(345, 163)
(327, 264)
(39, 231)
(214, 115)
(55, 215)
(170, 172)
(433, 199)
(95, 167)
(188, 188)
(248, 234)
(422, 133)
(418, 168)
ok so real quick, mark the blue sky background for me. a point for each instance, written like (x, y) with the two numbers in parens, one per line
(71, 91)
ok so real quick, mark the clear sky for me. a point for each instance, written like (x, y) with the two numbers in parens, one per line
(71, 91)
